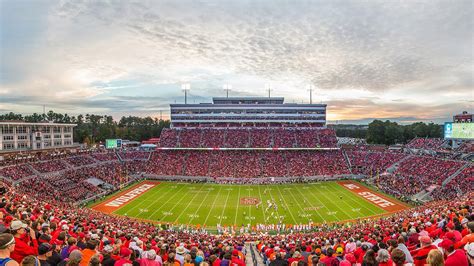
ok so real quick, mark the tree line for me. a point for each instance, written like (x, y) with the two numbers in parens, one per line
(388, 132)
(92, 128)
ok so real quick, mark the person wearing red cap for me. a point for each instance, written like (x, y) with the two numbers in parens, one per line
(454, 257)
(421, 254)
(456, 234)
(23, 246)
(125, 254)
(235, 259)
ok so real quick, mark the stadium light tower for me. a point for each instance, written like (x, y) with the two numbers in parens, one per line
(268, 88)
(310, 88)
(186, 87)
(227, 88)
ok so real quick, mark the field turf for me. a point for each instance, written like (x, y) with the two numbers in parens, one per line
(212, 204)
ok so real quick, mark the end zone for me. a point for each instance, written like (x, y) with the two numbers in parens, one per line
(381, 201)
(123, 198)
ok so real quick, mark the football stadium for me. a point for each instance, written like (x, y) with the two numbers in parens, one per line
(232, 133)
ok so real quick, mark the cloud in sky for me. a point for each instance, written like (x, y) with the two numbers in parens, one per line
(367, 59)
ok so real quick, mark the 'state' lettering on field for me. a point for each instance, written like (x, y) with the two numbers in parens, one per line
(376, 199)
(129, 196)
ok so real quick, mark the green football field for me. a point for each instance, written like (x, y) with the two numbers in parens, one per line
(212, 204)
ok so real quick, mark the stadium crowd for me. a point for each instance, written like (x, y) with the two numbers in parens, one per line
(411, 173)
(16, 172)
(37, 230)
(462, 184)
(49, 166)
(372, 163)
(248, 138)
(248, 163)
(417, 173)
(425, 143)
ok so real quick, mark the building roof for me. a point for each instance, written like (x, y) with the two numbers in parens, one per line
(21, 123)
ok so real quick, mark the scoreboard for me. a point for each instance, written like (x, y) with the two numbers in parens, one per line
(459, 131)
(113, 143)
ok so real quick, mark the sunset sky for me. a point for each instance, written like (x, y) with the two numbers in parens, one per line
(403, 60)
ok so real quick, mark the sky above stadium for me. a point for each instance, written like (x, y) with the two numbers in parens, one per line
(403, 60)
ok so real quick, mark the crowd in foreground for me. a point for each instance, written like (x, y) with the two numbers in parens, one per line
(36, 231)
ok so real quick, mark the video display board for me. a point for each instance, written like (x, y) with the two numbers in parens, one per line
(459, 131)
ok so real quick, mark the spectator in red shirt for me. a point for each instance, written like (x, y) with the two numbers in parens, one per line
(454, 257)
(296, 257)
(421, 254)
(125, 254)
(330, 259)
(360, 252)
(235, 258)
(23, 246)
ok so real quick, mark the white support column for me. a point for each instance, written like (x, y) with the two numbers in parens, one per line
(15, 138)
(28, 141)
(62, 135)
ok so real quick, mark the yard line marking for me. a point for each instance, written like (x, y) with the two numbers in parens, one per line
(337, 205)
(204, 200)
(187, 206)
(183, 197)
(152, 201)
(237, 209)
(317, 211)
(345, 192)
(287, 207)
(325, 206)
(261, 206)
(338, 193)
(297, 203)
(250, 210)
(273, 199)
(212, 207)
(164, 204)
(225, 206)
